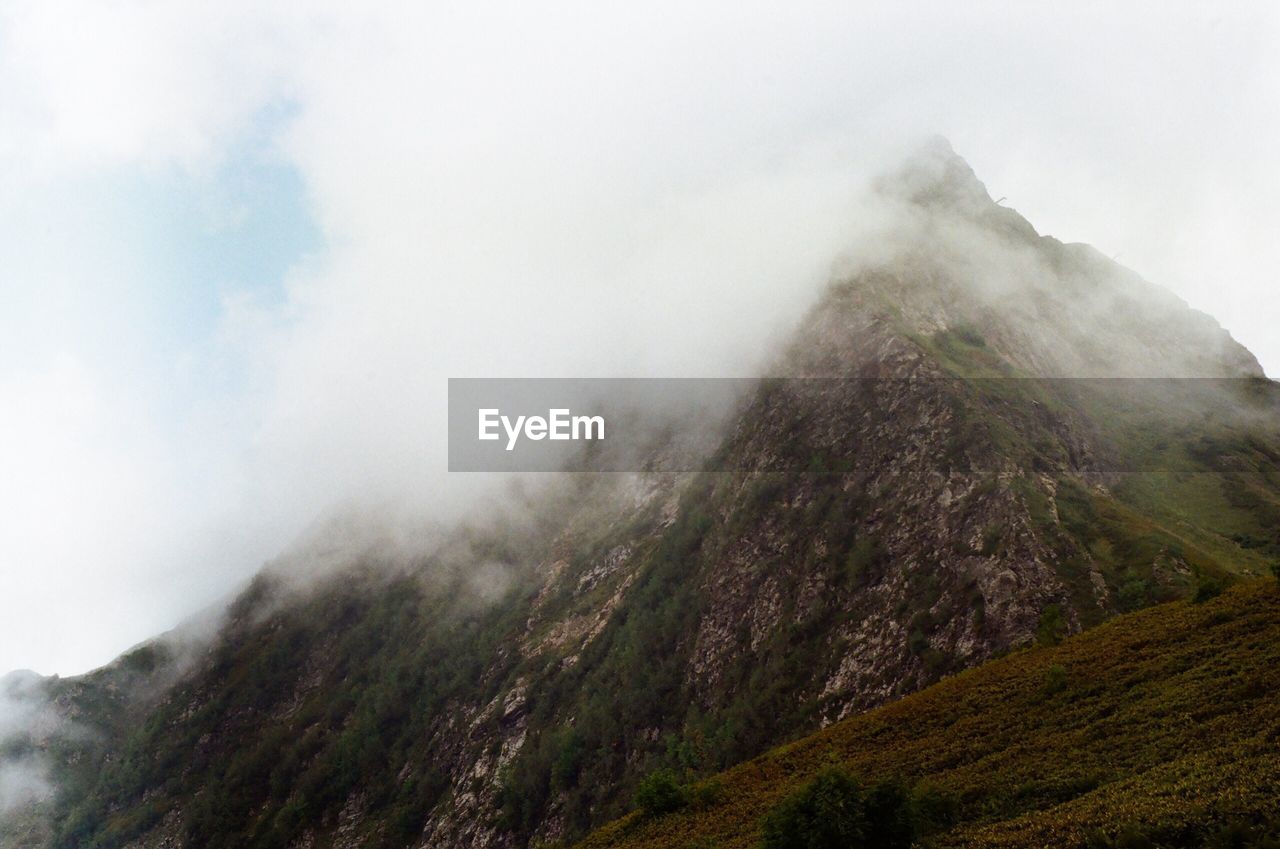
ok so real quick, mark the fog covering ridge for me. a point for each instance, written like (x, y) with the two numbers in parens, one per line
(931, 254)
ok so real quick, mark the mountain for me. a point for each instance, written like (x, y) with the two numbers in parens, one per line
(1155, 729)
(979, 437)
(55, 733)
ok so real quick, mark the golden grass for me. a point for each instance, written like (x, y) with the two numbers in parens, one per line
(1169, 722)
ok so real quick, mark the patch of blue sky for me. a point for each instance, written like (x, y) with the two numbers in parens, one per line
(239, 230)
(128, 267)
(235, 231)
(155, 249)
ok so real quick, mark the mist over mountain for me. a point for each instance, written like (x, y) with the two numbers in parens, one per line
(1008, 438)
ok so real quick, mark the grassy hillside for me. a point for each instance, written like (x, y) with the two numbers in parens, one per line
(1160, 727)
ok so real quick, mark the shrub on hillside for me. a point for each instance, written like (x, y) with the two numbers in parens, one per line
(834, 811)
(660, 793)
(1244, 835)
(1052, 626)
(706, 795)
(1207, 587)
(1055, 680)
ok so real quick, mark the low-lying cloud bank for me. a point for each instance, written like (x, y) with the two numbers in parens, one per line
(26, 719)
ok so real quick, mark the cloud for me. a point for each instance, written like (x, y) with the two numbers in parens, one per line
(506, 189)
(23, 782)
(24, 774)
(93, 84)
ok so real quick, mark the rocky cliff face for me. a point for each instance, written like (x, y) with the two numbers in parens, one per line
(926, 493)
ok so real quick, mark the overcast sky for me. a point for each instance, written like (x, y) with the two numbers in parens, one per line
(242, 244)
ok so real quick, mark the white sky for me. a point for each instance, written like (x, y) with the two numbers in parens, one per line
(498, 189)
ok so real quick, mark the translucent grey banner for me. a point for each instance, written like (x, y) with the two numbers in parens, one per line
(838, 425)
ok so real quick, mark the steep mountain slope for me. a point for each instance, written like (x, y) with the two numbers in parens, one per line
(1159, 725)
(932, 486)
(55, 732)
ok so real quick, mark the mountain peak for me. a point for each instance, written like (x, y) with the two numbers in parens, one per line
(953, 256)
(935, 175)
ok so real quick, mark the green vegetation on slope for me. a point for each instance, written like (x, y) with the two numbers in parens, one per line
(263, 755)
(1159, 726)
